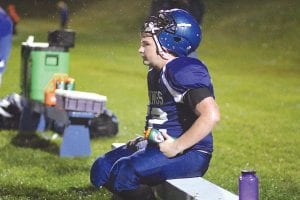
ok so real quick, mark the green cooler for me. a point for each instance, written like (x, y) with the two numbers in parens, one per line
(39, 63)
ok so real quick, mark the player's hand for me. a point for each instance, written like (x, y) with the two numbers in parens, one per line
(168, 147)
(137, 143)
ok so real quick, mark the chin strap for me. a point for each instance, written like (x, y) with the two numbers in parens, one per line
(160, 50)
(153, 29)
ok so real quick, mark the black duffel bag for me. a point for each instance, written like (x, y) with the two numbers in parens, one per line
(105, 124)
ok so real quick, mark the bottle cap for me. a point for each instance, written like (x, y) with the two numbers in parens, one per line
(248, 171)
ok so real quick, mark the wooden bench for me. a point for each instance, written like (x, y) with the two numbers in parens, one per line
(189, 188)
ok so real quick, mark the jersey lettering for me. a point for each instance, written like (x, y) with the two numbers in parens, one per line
(156, 98)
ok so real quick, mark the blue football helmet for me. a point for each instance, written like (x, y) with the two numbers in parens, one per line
(176, 30)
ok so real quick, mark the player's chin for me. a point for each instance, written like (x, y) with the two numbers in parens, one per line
(146, 62)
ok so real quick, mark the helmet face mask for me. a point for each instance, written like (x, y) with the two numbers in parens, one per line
(162, 22)
(176, 30)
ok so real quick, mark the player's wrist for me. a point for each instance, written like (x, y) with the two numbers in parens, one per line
(178, 147)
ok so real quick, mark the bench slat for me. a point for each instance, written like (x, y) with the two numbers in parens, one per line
(192, 188)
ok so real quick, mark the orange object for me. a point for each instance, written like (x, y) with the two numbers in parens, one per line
(50, 98)
(13, 13)
(50, 88)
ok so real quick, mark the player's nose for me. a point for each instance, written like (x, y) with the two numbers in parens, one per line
(141, 50)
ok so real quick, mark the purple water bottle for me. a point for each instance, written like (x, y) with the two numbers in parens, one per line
(248, 185)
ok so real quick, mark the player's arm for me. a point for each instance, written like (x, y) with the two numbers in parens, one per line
(208, 114)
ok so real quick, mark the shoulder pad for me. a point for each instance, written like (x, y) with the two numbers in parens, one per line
(185, 73)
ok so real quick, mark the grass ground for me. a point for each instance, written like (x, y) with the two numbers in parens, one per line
(251, 49)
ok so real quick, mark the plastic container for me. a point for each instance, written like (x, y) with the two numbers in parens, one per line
(70, 84)
(80, 101)
(39, 63)
(61, 38)
(50, 98)
(248, 185)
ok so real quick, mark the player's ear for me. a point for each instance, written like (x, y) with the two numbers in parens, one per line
(165, 54)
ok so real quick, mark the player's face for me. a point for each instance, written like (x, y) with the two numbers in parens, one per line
(147, 51)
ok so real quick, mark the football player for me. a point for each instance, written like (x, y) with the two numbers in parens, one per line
(5, 40)
(181, 106)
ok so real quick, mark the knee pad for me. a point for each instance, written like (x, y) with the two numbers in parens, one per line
(99, 172)
(124, 176)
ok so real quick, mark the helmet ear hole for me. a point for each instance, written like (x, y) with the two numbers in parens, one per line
(177, 39)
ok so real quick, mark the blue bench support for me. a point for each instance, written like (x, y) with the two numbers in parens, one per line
(74, 125)
(189, 188)
(76, 141)
(76, 136)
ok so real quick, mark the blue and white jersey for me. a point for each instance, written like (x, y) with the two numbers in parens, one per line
(5, 39)
(5, 24)
(166, 89)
